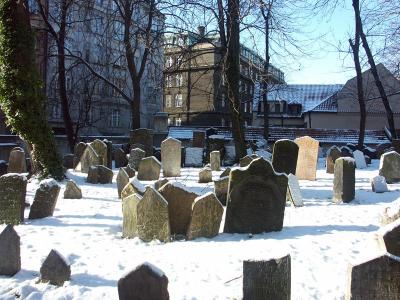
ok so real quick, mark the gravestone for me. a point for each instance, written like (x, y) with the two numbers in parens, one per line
(206, 217)
(360, 159)
(344, 180)
(194, 157)
(129, 213)
(135, 157)
(389, 166)
(269, 279)
(215, 161)
(284, 156)
(205, 175)
(146, 282)
(171, 157)
(256, 199)
(12, 198)
(72, 190)
(367, 159)
(331, 156)
(78, 152)
(377, 278)
(180, 202)
(199, 139)
(294, 192)
(230, 155)
(221, 189)
(89, 158)
(389, 238)
(149, 169)
(16, 161)
(100, 174)
(307, 158)
(109, 153)
(93, 175)
(122, 180)
(225, 173)
(152, 217)
(10, 253)
(131, 172)
(143, 136)
(55, 269)
(160, 183)
(45, 199)
(68, 161)
(133, 186)
(101, 149)
(245, 161)
(378, 184)
(346, 151)
(120, 158)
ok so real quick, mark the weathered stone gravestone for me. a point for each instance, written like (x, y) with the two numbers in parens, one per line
(206, 217)
(12, 198)
(55, 269)
(245, 161)
(133, 186)
(16, 161)
(225, 173)
(215, 161)
(10, 253)
(143, 136)
(135, 157)
(199, 139)
(122, 180)
(131, 172)
(152, 217)
(284, 156)
(78, 152)
(389, 238)
(331, 156)
(101, 149)
(307, 158)
(377, 278)
(294, 192)
(109, 153)
(389, 166)
(146, 282)
(160, 183)
(180, 202)
(360, 159)
(256, 199)
(149, 169)
(221, 189)
(269, 279)
(45, 199)
(129, 212)
(89, 158)
(194, 157)
(120, 158)
(378, 184)
(344, 180)
(171, 157)
(205, 175)
(99, 174)
(72, 190)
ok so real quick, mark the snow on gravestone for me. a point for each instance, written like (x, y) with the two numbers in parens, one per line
(101, 149)
(12, 198)
(215, 161)
(389, 238)
(256, 199)
(360, 159)
(284, 156)
(72, 190)
(143, 136)
(194, 157)
(389, 166)
(344, 180)
(146, 282)
(307, 158)
(120, 158)
(205, 175)
(331, 156)
(171, 157)
(377, 278)
(16, 161)
(122, 180)
(89, 158)
(221, 189)
(55, 269)
(294, 192)
(133, 186)
(45, 199)
(10, 253)
(378, 184)
(135, 157)
(149, 169)
(129, 213)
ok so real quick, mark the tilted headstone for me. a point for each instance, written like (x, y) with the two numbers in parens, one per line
(389, 166)
(89, 158)
(377, 278)
(129, 213)
(12, 198)
(221, 189)
(72, 190)
(152, 217)
(194, 157)
(344, 180)
(171, 157)
(307, 158)
(149, 169)
(109, 153)
(120, 158)
(100, 174)
(131, 172)
(160, 183)
(215, 161)
(378, 184)
(101, 149)
(55, 269)
(180, 202)
(133, 186)
(205, 175)
(78, 152)
(225, 173)
(256, 199)
(122, 180)
(269, 279)
(17, 162)
(135, 157)
(199, 139)
(389, 238)
(206, 217)
(143, 136)
(146, 282)
(331, 156)
(360, 159)
(294, 192)
(284, 156)
(10, 253)
(45, 199)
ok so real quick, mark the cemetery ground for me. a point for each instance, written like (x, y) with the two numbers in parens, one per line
(321, 237)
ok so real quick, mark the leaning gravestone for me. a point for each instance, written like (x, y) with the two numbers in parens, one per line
(89, 158)
(12, 198)
(194, 157)
(16, 161)
(294, 192)
(215, 161)
(55, 269)
(205, 175)
(152, 217)
(122, 181)
(101, 149)
(389, 238)
(45, 199)
(72, 190)
(120, 158)
(221, 189)
(377, 278)
(389, 166)
(133, 186)
(10, 253)
(149, 169)
(135, 157)
(331, 156)
(378, 184)
(206, 217)
(143, 136)
(307, 158)
(180, 202)
(171, 157)
(78, 152)
(284, 156)
(344, 180)
(129, 212)
(267, 279)
(146, 282)
(360, 159)
(256, 199)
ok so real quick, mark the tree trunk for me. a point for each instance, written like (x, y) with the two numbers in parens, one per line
(136, 105)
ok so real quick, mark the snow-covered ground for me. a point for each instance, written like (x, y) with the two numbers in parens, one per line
(321, 237)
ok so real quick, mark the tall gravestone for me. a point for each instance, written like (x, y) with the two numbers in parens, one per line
(256, 199)
(284, 156)
(344, 180)
(194, 157)
(360, 159)
(331, 156)
(171, 157)
(129, 212)
(294, 192)
(135, 157)
(307, 158)
(215, 161)
(149, 168)
(10, 253)
(45, 199)
(12, 198)
(101, 149)
(389, 166)
(109, 153)
(16, 161)
(143, 136)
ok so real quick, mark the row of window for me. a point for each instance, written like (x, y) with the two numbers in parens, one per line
(171, 79)
(177, 101)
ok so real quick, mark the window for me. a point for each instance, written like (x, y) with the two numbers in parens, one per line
(178, 100)
(170, 61)
(169, 81)
(114, 118)
(179, 79)
(178, 122)
(168, 100)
